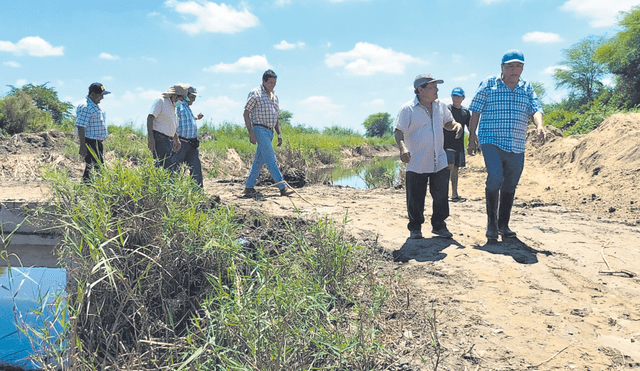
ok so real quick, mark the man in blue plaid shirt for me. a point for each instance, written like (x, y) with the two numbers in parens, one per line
(505, 103)
(92, 129)
(188, 135)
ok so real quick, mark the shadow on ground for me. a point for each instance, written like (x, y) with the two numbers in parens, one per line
(515, 248)
(424, 249)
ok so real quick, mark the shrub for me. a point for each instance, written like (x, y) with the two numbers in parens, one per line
(18, 114)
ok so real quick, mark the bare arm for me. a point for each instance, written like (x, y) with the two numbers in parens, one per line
(454, 126)
(151, 143)
(277, 129)
(83, 147)
(405, 155)
(537, 119)
(473, 137)
(247, 123)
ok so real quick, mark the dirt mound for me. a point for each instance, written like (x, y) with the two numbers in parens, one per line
(602, 166)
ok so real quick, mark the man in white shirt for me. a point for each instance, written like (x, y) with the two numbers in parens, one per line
(162, 126)
(420, 139)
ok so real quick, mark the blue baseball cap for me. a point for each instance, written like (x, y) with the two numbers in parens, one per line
(513, 56)
(458, 91)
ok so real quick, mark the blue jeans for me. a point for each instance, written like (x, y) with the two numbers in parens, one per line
(417, 191)
(503, 168)
(190, 156)
(163, 153)
(264, 155)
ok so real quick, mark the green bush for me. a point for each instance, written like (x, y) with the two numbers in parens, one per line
(19, 114)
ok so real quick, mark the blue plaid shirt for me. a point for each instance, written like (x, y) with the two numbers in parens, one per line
(264, 109)
(90, 117)
(504, 113)
(187, 127)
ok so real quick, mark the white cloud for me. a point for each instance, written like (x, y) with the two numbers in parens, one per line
(108, 56)
(33, 46)
(107, 78)
(242, 65)
(149, 59)
(374, 103)
(465, 77)
(321, 104)
(13, 64)
(551, 69)
(457, 58)
(284, 45)
(541, 37)
(153, 14)
(367, 59)
(601, 13)
(21, 82)
(221, 104)
(211, 17)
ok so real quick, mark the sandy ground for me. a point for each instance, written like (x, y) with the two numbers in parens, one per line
(563, 295)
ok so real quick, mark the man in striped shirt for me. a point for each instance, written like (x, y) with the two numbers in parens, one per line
(92, 128)
(261, 119)
(505, 103)
(188, 135)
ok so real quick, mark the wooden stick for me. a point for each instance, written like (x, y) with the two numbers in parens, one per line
(552, 357)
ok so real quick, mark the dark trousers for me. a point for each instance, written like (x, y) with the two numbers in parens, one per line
(163, 153)
(189, 155)
(93, 158)
(417, 191)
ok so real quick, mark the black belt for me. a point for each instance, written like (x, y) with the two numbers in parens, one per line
(264, 126)
(163, 134)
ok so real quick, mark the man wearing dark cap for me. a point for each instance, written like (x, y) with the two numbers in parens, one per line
(454, 146)
(188, 135)
(162, 125)
(420, 138)
(500, 111)
(92, 128)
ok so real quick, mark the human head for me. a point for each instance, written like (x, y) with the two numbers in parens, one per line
(269, 79)
(512, 66)
(457, 96)
(176, 92)
(423, 80)
(191, 94)
(97, 92)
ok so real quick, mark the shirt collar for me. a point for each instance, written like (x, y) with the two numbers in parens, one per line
(90, 103)
(519, 84)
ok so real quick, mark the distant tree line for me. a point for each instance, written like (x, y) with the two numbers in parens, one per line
(583, 71)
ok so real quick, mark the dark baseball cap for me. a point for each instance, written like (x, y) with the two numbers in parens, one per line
(98, 88)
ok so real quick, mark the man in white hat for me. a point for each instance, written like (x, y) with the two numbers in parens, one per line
(505, 103)
(420, 138)
(162, 125)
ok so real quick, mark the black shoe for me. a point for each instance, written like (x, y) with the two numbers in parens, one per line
(442, 232)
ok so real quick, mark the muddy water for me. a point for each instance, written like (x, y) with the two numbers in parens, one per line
(355, 176)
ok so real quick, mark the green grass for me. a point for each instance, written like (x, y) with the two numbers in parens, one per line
(160, 279)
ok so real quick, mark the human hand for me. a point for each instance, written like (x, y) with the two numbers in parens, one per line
(542, 135)
(459, 130)
(176, 145)
(252, 138)
(151, 144)
(83, 150)
(200, 115)
(279, 140)
(405, 157)
(473, 146)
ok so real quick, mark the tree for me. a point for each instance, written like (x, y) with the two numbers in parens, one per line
(46, 99)
(580, 72)
(378, 124)
(285, 118)
(621, 54)
(18, 114)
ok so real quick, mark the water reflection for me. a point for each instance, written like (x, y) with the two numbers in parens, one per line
(379, 172)
(23, 293)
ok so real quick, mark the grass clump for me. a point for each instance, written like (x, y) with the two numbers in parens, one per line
(160, 278)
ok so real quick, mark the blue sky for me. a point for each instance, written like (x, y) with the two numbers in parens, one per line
(338, 61)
